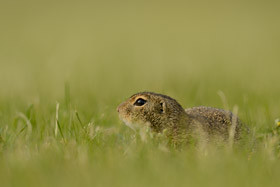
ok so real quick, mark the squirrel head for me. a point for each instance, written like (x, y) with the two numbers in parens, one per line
(155, 110)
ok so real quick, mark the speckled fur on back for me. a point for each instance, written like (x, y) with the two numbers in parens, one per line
(215, 121)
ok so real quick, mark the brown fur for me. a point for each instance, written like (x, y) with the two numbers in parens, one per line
(163, 112)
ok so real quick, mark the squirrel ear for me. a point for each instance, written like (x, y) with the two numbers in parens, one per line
(163, 107)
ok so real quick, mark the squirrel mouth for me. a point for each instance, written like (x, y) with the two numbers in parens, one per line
(132, 125)
(127, 123)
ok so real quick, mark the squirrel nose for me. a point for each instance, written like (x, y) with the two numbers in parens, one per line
(119, 107)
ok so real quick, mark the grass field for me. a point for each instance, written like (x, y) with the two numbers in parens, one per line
(76, 61)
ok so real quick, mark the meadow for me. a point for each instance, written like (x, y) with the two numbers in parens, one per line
(65, 66)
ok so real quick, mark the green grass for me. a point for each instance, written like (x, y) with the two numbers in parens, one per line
(88, 57)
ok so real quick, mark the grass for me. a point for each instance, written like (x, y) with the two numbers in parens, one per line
(64, 68)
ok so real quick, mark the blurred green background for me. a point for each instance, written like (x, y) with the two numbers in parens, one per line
(91, 55)
(127, 46)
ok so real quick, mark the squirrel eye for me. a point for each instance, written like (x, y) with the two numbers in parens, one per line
(139, 102)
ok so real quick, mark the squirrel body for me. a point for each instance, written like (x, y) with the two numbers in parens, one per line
(163, 112)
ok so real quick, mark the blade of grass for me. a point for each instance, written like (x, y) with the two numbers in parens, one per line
(78, 117)
(233, 126)
(60, 131)
(27, 122)
(56, 120)
(57, 124)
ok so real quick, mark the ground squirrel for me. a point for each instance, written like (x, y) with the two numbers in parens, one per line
(163, 112)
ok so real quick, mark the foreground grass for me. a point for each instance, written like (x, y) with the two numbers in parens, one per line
(91, 153)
